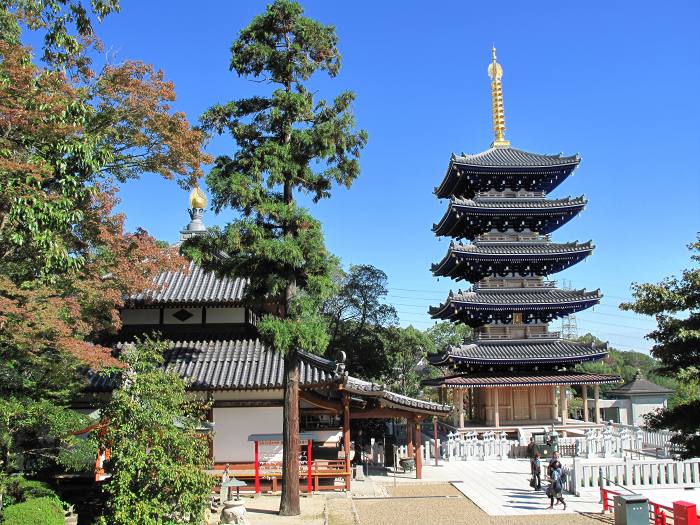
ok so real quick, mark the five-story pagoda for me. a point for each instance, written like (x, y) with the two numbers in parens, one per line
(509, 374)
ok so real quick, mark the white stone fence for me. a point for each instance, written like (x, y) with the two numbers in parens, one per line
(632, 474)
(617, 441)
(471, 446)
(650, 439)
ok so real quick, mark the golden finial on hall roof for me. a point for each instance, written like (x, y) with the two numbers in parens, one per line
(495, 72)
(198, 201)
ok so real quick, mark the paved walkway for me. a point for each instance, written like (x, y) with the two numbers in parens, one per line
(499, 488)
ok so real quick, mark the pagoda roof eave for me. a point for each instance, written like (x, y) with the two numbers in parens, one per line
(506, 208)
(557, 302)
(505, 161)
(521, 380)
(519, 352)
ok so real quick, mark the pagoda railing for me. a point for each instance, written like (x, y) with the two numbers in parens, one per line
(512, 237)
(483, 336)
(514, 283)
(507, 194)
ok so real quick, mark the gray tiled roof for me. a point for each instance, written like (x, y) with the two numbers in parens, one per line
(639, 387)
(524, 351)
(392, 399)
(515, 296)
(193, 286)
(232, 365)
(518, 202)
(511, 157)
(548, 378)
(250, 365)
(520, 248)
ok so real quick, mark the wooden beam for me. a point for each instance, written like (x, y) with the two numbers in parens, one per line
(321, 402)
(380, 413)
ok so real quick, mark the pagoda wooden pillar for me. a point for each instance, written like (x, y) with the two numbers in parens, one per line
(409, 437)
(596, 397)
(346, 438)
(584, 395)
(419, 447)
(554, 406)
(564, 404)
(496, 415)
(458, 401)
(531, 407)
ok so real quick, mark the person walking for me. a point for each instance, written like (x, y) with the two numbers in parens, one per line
(555, 487)
(536, 467)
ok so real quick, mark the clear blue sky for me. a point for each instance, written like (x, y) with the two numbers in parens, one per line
(617, 82)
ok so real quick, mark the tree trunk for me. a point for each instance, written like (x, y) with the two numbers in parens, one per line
(289, 504)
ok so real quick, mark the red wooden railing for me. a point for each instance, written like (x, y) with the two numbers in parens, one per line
(658, 514)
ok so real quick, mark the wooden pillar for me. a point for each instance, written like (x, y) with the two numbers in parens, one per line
(596, 397)
(419, 448)
(564, 404)
(346, 438)
(461, 408)
(554, 403)
(409, 437)
(496, 415)
(458, 402)
(531, 400)
(584, 395)
(435, 440)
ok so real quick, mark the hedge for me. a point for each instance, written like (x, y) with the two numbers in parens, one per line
(36, 511)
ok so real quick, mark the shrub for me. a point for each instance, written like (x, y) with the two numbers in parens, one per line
(20, 489)
(36, 511)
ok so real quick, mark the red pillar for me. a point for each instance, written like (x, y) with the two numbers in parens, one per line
(685, 513)
(435, 438)
(346, 438)
(309, 486)
(419, 449)
(257, 468)
(409, 437)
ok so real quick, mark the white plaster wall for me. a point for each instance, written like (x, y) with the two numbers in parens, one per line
(195, 319)
(234, 425)
(140, 316)
(641, 405)
(225, 315)
(247, 395)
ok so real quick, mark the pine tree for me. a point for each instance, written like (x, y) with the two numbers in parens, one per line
(287, 143)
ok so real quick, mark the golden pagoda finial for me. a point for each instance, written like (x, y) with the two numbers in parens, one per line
(499, 121)
(198, 201)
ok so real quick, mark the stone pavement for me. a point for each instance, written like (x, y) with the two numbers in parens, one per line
(499, 488)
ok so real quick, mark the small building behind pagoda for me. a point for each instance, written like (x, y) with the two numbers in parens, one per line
(515, 372)
(629, 403)
(214, 345)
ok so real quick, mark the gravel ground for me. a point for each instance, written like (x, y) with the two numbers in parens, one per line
(263, 511)
(427, 503)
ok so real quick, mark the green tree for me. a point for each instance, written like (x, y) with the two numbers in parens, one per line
(66, 262)
(406, 347)
(158, 459)
(286, 142)
(446, 334)
(357, 319)
(675, 303)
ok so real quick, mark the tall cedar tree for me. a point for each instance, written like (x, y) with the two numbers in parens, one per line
(276, 243)
(675, 302)
(66, 261)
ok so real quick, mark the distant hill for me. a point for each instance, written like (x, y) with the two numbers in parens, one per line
(625, 364)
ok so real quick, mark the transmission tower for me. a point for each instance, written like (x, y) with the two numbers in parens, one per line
(569, 330)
